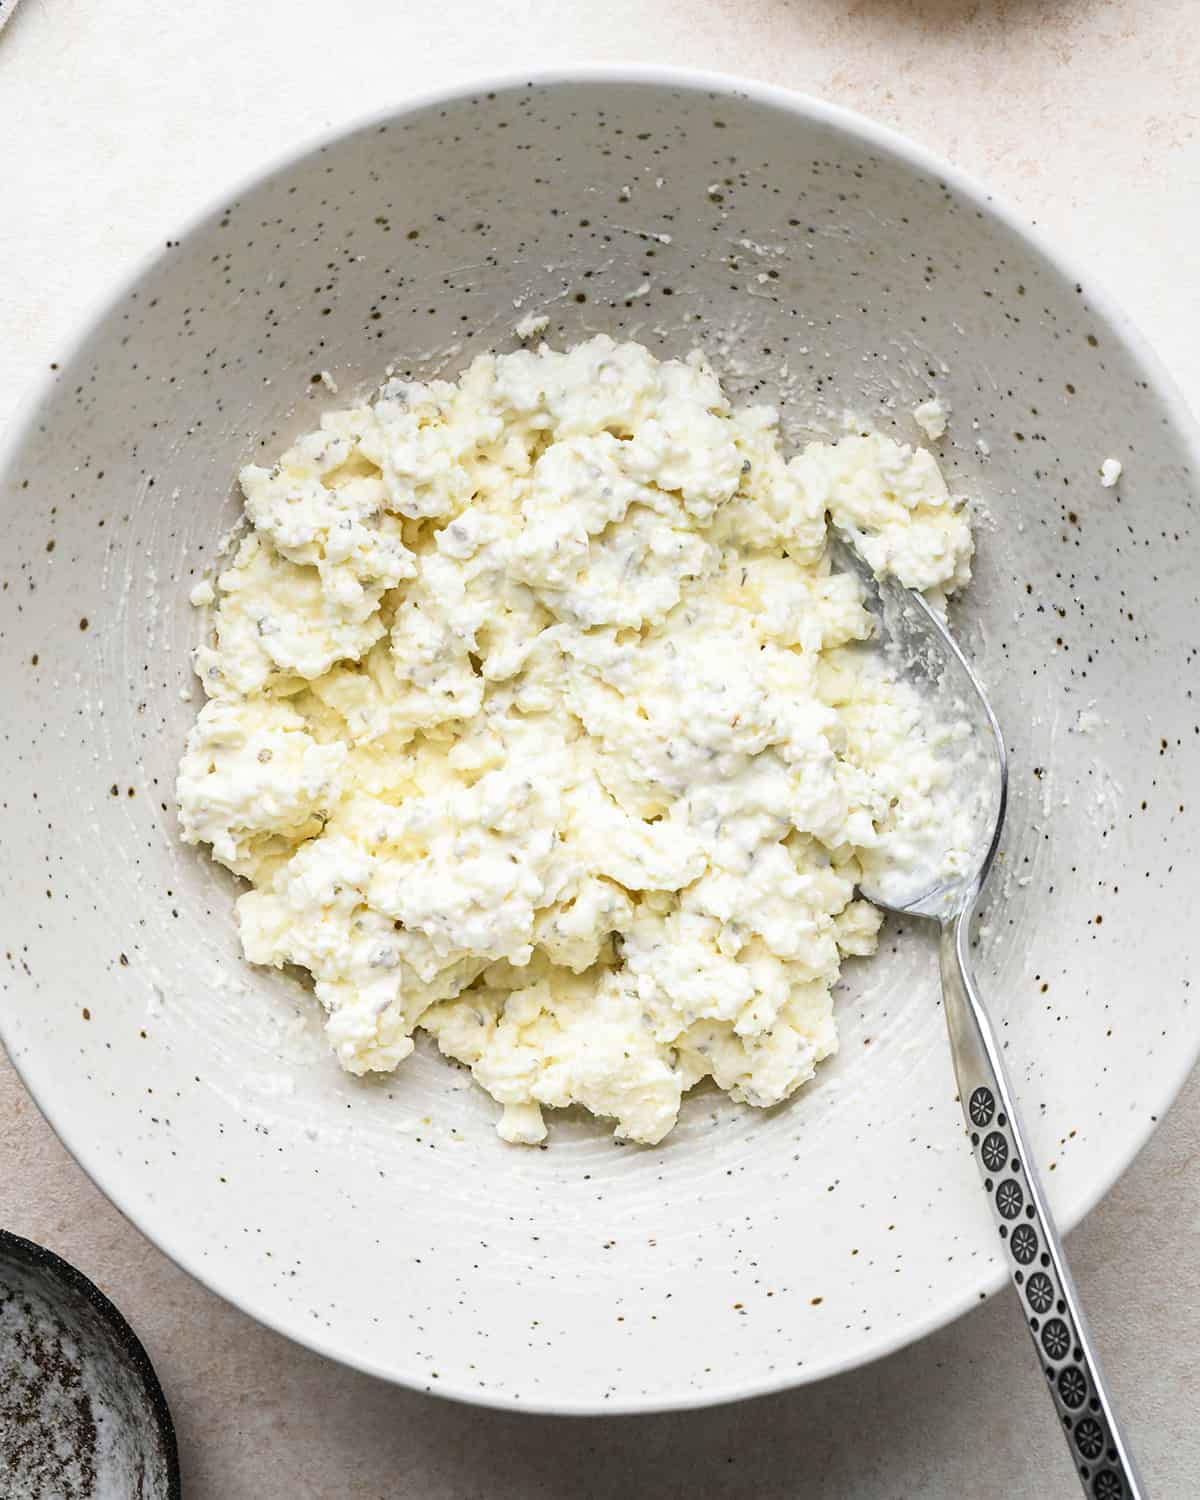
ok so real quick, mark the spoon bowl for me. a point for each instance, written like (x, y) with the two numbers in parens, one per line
(919, 649)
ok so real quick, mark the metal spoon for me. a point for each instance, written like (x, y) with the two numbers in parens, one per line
(921, 650)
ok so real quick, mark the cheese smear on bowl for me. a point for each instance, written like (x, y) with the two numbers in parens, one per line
(538, 719)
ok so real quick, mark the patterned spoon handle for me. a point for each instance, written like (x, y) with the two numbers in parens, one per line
(1031, 1245)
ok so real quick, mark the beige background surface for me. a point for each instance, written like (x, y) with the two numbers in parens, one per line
(117, 119)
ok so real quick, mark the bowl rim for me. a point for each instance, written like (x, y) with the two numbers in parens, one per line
(49, 1264)
(90, 1156)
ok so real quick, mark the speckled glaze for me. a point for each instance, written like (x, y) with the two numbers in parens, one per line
(82, 1415)
(822, 263)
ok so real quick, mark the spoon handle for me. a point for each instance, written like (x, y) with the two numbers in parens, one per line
(1029, 1240)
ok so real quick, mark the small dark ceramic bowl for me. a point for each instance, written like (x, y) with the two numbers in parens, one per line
(82, 1415)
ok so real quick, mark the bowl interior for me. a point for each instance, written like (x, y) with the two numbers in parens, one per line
(822, 267)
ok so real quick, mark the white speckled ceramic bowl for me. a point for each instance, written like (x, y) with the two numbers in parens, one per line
(823, 262)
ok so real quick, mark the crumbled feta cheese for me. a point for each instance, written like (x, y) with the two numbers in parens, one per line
(931, 418)
(1110, 472)
(535, 720)
(530, 326)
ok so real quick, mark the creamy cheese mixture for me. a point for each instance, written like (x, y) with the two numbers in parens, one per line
(537, 719)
